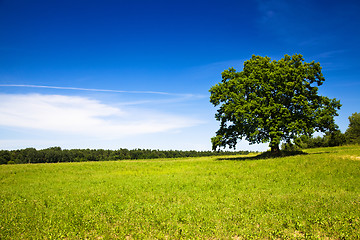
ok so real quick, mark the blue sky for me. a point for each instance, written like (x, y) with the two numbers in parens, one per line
(136, 74)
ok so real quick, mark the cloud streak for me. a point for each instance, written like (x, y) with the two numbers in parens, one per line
(96, 90)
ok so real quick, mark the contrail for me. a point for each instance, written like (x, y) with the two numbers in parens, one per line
(94, 89)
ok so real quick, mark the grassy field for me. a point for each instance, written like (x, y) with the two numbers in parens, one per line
(306, 196)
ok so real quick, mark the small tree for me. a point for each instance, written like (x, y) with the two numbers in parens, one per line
(335, 138)
(271, 101)
(353, 132)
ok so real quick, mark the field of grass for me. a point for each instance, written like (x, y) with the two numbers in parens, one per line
(306, 196)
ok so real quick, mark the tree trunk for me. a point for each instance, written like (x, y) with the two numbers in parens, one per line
(275, 149)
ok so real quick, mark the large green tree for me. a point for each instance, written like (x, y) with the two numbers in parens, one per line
(271, 101)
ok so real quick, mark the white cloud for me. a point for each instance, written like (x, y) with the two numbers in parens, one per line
(83, 116)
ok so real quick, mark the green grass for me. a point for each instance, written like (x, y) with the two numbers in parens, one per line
(306, 196)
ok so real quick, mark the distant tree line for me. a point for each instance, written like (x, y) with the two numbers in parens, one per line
(330, 139)
(56, 154)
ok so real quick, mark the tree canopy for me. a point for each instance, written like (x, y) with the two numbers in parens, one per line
(271, 101)
(353, 131)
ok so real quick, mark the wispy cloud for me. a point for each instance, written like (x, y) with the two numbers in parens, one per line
(74, 115)
(329, 54)
(93, 89)
(271, 10)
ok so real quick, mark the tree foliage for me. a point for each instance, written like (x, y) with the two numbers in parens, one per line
(271, 101)
(56, 154)
(353, 131)
(330, 139)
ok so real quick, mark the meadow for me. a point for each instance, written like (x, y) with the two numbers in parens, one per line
(312, 196)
